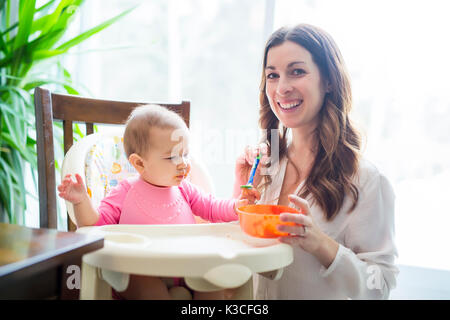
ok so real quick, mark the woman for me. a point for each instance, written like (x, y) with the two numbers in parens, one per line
(344, 244)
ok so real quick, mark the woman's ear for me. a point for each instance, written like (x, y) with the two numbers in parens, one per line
(137, 162)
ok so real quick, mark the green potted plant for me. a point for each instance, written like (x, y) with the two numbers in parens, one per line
(30, 37)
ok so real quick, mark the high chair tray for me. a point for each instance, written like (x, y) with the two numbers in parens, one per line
(217, 252)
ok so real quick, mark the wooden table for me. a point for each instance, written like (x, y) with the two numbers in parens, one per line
(37, 263)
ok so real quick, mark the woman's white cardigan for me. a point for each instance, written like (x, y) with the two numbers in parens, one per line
(364, 265)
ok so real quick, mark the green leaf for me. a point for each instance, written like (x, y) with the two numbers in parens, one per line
(40, 21)
(48, 40)
(45, 6)
(25, 52)
(77, 130)
(31, 143)
(28, 155)
(45, 54)
(19, 186)
(15, 129)
(3, 46)
(67, 85)
(51, 19)
(14, 90)
(92, 31)
(7, 197)
(26, 14)
(68, 14)
(61, 25)
(2, 3)
(7, 17)
(68, 78)
(6, 61)
(11, 139)
(7, 109)
(11, 122)
(39, 24)
(14, 26)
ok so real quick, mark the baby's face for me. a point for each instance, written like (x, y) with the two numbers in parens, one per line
(167, 163)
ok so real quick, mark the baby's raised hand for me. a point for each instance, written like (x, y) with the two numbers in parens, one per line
(247, 196)
(73, 191)
(251, 195)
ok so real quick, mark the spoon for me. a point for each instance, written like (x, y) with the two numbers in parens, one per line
(249, 184)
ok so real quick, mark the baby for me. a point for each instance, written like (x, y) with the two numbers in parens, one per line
(156, 142)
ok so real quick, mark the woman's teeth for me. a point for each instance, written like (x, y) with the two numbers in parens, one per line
(289, 105)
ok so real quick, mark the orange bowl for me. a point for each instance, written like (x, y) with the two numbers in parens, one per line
(261, 220)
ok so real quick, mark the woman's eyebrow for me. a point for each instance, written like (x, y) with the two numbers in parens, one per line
(289, 65)
(295, 62)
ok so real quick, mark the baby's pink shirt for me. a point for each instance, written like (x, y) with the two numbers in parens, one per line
(136, 201)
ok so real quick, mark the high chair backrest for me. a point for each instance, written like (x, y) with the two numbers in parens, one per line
(71, 109)
(101, 161)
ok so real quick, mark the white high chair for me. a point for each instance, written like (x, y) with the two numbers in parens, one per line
(209, 256)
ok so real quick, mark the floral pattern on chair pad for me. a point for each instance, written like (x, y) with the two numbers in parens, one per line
(106, 165)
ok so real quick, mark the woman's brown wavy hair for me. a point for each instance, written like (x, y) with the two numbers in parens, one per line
(337, 158)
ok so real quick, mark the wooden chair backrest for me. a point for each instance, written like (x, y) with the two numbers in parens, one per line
(50, 107)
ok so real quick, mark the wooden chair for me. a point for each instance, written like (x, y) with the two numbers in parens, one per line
(50, 107)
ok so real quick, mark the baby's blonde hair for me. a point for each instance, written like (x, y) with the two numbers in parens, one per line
(136, 138)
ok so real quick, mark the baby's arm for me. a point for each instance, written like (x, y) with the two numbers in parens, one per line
(212, 209)
(75, 192)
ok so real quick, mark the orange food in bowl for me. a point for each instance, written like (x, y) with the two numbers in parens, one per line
(261, 220)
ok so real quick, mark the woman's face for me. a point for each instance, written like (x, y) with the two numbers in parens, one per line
(294, 86)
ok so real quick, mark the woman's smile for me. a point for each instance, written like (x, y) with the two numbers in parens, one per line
(290, 106)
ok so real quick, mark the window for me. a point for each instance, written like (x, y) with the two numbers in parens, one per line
(209, 52)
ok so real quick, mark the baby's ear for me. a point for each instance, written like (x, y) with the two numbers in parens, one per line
(137, 162)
